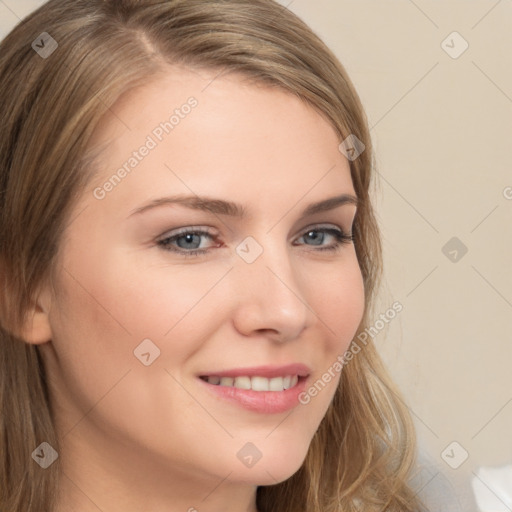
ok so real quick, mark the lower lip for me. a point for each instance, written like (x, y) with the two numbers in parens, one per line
(263, 402)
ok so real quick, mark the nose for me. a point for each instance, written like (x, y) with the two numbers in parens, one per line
(270, 299)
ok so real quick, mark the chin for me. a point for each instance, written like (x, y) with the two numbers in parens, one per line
(268, 475)
(268, 462)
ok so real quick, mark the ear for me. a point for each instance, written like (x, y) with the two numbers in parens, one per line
(36, 328)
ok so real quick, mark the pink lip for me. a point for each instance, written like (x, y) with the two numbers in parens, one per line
(263, 371)
(263, 402)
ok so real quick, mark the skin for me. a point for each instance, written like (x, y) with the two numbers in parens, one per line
(136, 437)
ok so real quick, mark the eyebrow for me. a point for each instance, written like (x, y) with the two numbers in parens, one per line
(222, 207)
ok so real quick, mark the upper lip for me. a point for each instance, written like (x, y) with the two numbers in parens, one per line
(263, 371)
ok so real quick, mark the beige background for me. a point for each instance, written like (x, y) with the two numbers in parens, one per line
(441, 128)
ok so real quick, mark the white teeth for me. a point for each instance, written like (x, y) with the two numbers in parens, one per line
(227, 381)
(275, 384)
(243, 383)
(259, 384)
(255, 383)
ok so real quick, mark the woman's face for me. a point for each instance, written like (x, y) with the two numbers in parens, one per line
(140, 321)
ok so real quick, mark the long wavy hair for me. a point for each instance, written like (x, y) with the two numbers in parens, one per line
(363, 453)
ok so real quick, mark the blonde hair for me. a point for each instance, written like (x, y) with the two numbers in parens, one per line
(362, 455)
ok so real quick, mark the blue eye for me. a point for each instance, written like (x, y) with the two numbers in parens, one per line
(188, 242)
(188, 239)
(340, 237)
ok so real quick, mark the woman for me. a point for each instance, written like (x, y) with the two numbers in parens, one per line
(141, 373)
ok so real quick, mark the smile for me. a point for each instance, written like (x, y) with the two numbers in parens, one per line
(255, 383)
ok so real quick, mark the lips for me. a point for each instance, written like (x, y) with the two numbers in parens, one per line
(263, 389)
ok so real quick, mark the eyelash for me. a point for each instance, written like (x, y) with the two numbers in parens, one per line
(165, 244)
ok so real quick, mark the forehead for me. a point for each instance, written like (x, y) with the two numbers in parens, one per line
(190, 131)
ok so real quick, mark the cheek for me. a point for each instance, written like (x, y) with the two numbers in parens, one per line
(105, 309)
(116, 298)
(348, 305)
(338, 300)
(339, 303)
(107, 306)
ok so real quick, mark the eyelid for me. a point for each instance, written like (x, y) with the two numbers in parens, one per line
(207, 230)
(322, 225)
(342, 237)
